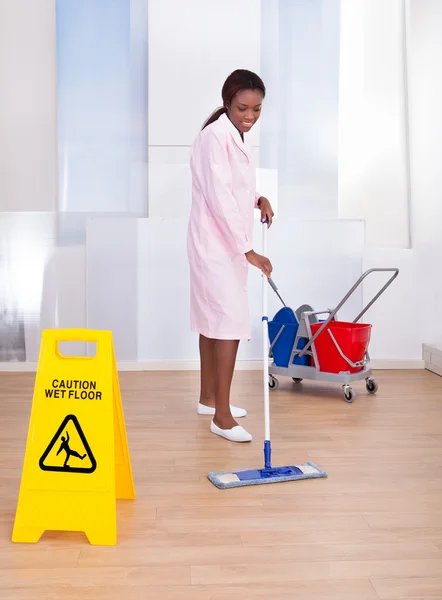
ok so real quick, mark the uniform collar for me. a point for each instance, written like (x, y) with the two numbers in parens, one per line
(235, 134)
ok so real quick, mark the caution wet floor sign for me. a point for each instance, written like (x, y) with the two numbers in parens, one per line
(77, 458)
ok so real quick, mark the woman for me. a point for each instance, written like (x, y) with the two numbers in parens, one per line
(220, 244)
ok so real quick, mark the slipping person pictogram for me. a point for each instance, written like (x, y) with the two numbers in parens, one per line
(61, 442)
(65, 446)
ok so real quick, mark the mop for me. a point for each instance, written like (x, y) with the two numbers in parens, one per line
(268, 474)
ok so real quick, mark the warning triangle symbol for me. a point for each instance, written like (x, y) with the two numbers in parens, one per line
(68, 451)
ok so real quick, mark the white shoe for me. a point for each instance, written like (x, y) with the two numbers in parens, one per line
(237, 413)
(236, 434)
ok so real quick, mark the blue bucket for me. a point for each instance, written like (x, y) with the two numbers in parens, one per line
(282, 349)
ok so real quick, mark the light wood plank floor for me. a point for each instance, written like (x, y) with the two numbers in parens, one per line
(372, 530)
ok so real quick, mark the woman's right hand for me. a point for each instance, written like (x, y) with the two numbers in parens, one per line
(260, 262)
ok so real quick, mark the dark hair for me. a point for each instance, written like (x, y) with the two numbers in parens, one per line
(239, 80)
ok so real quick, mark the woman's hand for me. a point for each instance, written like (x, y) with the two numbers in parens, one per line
(260, 262)
(266, 210)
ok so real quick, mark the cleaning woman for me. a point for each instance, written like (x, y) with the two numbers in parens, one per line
(220, 245)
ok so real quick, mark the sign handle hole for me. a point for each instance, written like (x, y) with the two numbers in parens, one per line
(76, 349)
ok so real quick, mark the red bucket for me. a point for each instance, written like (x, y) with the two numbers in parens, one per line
(352, 338)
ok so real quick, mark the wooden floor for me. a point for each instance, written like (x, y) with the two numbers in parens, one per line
(372, 530)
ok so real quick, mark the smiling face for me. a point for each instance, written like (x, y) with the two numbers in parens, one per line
(245, 109)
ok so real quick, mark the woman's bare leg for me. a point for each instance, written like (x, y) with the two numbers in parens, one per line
(218, 358)
(225, 359)
(207, 359)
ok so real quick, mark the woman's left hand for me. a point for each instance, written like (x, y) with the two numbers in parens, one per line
(266, 210)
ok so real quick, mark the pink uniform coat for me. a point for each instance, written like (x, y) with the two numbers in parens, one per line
(220, 231)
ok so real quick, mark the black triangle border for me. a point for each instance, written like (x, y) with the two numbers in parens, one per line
(45, 454)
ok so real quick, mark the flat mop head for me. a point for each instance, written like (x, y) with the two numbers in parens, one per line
(269, 475)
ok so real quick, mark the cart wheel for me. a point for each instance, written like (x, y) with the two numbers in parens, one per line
(371, 385)
(273, 383)
(297, 379)
(349, 394)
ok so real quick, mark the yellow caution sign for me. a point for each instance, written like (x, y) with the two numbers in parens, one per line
(77, 459)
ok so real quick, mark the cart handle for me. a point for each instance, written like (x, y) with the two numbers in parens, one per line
(381, 291)
(332, 314)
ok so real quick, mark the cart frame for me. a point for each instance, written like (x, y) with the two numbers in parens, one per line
(314, 373)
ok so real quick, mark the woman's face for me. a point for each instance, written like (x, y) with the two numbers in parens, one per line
(245, 109)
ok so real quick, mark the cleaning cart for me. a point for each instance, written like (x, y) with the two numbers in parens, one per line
(304, 347)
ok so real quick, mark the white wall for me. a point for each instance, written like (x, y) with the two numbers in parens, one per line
(373, 159)
(28, 113)
(193, 47)
(411, 312)
(426, 150)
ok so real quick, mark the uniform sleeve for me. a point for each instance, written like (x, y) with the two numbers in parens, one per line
(217, 188)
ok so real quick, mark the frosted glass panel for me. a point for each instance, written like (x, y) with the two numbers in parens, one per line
(26, 243)
(131, 276)
(396, 333)
(315, 262)
(163, 291)
(102, 105)
(42, 283)
(299, 128)
(111, 277)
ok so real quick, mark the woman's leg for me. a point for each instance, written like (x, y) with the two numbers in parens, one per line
(224, 362)
(207, 359)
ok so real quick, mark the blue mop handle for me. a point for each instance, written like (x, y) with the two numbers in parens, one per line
(265, 336)
(267, 454)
